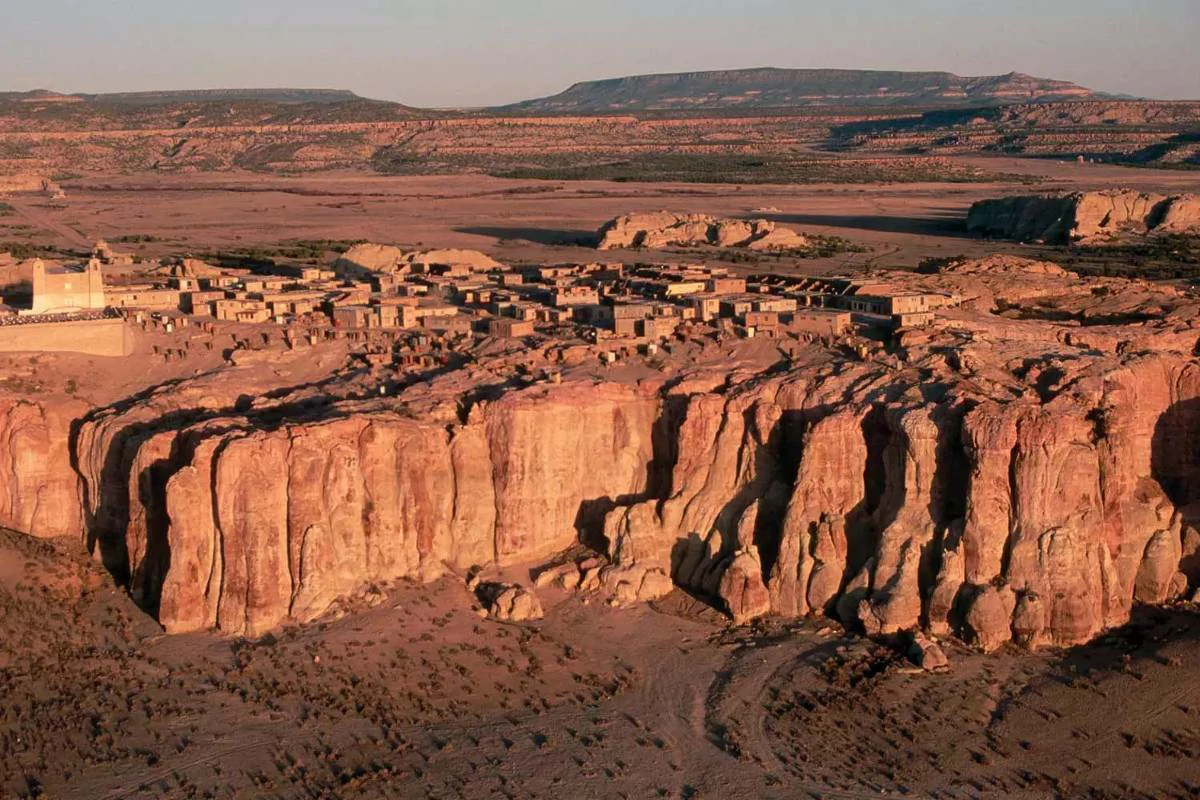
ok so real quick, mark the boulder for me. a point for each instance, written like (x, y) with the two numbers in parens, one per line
(989, 617)
(512, 603)
(927, 654)
(742, 587)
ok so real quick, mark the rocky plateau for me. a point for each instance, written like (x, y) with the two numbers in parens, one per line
(1001, 477)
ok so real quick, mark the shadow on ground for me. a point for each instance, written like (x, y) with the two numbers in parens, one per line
(948, 223)
(547, 236)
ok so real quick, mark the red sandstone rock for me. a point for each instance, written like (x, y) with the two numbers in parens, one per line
(1085, 216)
(959, 484)
(39, 489)
(660, 229)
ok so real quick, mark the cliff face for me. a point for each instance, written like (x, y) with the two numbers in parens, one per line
(888, 500)
(1041, 522)
(39, 490)
(226, 520)
(1084, 216)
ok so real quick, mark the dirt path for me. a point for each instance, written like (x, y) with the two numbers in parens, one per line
(41, 219)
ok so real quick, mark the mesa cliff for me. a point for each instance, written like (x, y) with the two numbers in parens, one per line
(1087, 217)
(1000, 477)
(39, 489)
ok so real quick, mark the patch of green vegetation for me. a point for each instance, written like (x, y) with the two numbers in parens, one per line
(255, 259)
(1162, 257)
(308, 251)
(396, 160)
(23, 250)
(819, 247)
(137, 238)
(19, 386)
(764, 169)
(6, 210)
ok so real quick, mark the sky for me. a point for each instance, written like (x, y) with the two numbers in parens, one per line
(441, 53)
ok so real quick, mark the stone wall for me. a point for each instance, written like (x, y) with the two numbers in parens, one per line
(95, 337)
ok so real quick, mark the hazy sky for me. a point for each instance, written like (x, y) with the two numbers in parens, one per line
(480, 52)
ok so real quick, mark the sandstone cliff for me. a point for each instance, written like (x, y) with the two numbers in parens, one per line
(964, 506)
(661, 229)
(999, 476)
(242, 520)
(1084, 216)
(39, 490)
(995, 519)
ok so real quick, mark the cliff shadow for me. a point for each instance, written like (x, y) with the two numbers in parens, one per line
(107, 509)
(556, 237)
(1175, 464)
(664, 437)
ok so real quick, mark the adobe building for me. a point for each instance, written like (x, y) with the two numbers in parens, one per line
(67, 290)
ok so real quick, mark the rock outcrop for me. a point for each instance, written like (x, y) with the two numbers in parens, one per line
(371, 259)
(1086, 217)
(218, 520)
(661, 229)
(510, 602)
(994, 516)
(997, 520)
(39, 489)
(992, 478)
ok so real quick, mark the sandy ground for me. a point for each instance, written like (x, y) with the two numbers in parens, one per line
(404, 691)
(517, 220)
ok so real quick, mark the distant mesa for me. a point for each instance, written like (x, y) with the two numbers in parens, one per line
(782, 88)
(224, 96)
(1085, 217)
(660, 229)
(160, 97)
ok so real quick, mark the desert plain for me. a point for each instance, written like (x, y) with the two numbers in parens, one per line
(950, 554)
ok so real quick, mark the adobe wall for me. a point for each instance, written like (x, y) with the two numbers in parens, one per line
(96, 337)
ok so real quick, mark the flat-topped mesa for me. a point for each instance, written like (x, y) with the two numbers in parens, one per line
(660, 229)
(224, 520)
(1085, 217)
(996, 475)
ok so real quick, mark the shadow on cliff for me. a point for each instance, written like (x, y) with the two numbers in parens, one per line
(107, 506)
(1175, 452)
(1175, 464)
(555, 237)
(664, 443)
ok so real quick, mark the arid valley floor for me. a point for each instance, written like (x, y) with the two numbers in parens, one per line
(223, 598)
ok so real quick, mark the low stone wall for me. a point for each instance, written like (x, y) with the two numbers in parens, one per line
(96, 337)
